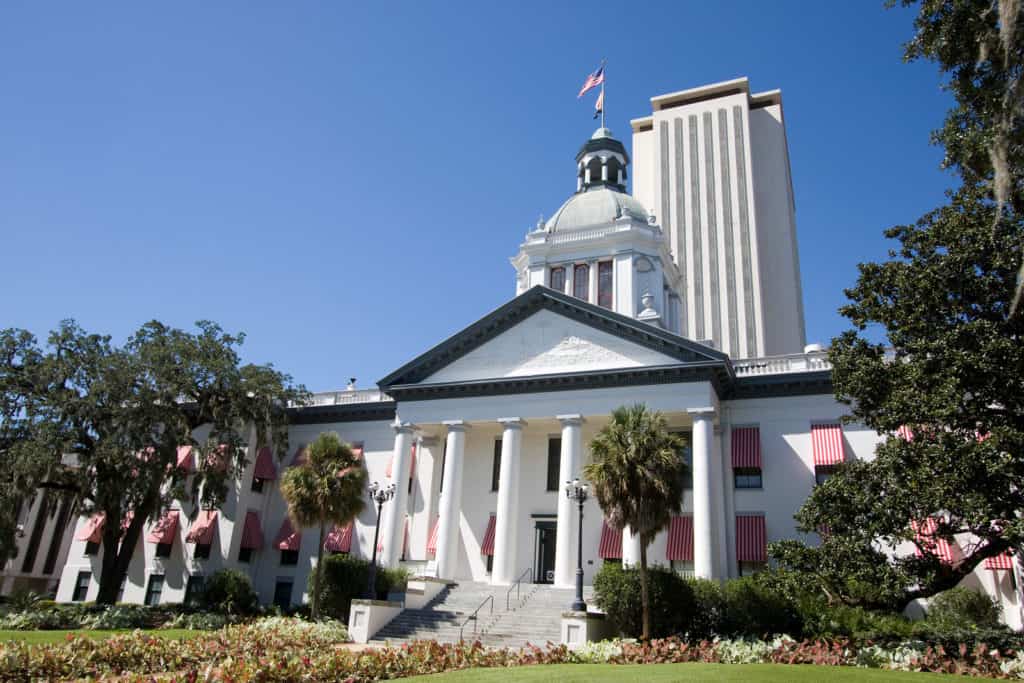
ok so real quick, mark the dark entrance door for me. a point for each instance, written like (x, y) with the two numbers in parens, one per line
(545, 545)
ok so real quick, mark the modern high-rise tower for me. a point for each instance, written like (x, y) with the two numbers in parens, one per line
(713, 164)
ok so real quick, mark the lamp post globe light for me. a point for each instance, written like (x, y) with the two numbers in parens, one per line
(575, 490)
(379, 496)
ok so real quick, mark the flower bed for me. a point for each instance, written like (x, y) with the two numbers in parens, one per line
(290, 649)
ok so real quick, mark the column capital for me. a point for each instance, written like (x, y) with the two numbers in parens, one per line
(455, 425)
(706, 413)
(512, 422)
(569, 420)
(403, 427)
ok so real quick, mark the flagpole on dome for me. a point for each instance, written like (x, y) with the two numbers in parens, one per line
(605, 72)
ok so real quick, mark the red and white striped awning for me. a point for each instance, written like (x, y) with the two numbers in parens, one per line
(487, 547)
(92, 532)
(905, 433)
(412, 466)
(252, 532)
(1001, 561)
(265, 470)
(751, 539)
(339, 539)
(827, 444)
(746, 447)
(680, 539)
(186, 460)
(610, 547)
(432, 538)
(165, 530)
(287, 537)
(924, 534)
(202, 529)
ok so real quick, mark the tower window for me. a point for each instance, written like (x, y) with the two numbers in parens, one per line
(604, 284)
(581, 282)
(557, 279)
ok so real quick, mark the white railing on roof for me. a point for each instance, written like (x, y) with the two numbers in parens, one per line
(346, 397)
(778, 365)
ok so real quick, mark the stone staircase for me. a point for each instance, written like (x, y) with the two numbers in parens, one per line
(535, 618)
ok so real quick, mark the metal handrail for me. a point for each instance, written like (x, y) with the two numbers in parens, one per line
(473, 617)
(517, 585)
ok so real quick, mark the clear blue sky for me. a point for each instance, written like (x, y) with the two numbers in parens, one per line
(345, 181)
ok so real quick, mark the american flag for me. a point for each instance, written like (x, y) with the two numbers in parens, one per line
(593, 80)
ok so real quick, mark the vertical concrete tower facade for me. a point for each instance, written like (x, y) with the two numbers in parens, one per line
(713, 163)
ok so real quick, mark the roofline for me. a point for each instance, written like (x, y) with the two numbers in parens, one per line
(680, 97)
(527, 303)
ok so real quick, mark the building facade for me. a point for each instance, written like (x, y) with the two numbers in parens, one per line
(613, 306)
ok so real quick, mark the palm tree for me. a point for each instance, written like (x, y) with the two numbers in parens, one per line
(327, 489)
(637, 470)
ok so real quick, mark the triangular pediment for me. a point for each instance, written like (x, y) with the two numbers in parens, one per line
(545, 333)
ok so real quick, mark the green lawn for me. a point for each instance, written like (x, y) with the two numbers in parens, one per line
(58, 636)
(588, 673)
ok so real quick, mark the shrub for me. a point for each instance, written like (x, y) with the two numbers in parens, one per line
(230, 591)
(617, 592)
(708, 615)
(22, 600)
(754, 609)
(962, 608)
(344, 580)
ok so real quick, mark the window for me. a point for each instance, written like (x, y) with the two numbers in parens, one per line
(154, 589)
(554, 462)
(604, 284)
(289, 558)
(202, 551)
(557, 279)
(194, 588)
(490, 563)
(283, 593)
(683, 568)
(81, 586)
(688, 459)
(91, 548)
(581, 282)
(163, 549)
(245, 555)
(823, 472)
(496, 467)
(612, 560)
(257, 485)
(747, 477)
(751, 568)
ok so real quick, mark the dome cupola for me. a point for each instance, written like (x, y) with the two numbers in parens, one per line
(601, 162)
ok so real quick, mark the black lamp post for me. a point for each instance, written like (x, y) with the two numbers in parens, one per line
(380, 496)
(574, 490)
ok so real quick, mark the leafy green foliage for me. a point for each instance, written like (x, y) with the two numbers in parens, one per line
(101, 424)
(617, 591)
(636, 471)
(230, 591)
(753, 609)
(345, 578)
(708, 617)
(326, 489)
(962, 608)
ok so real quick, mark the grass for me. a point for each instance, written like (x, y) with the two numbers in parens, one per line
(37, 637)
(770, 673)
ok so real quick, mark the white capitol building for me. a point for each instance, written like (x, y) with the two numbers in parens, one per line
(684, 296)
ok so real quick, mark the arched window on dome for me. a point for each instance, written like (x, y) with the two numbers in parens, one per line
(581, 282)
(594, 166)
(556, 279)
(613, 170)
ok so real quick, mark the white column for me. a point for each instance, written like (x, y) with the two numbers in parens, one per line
(451, 501)
(729, 497)
(703, 547)
(394, 517)
(592, 271)
(565, 537)
(718, 459)
(506, 540)
(630, 548)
